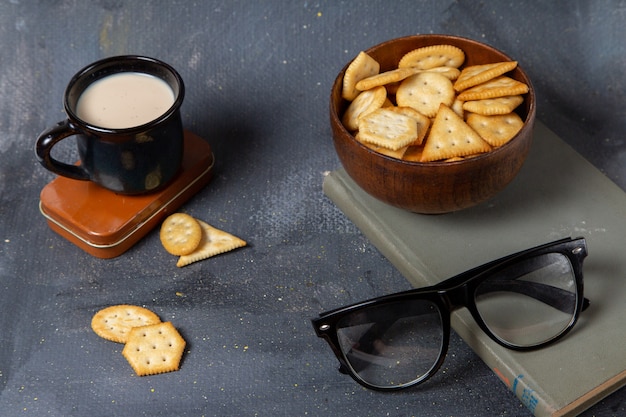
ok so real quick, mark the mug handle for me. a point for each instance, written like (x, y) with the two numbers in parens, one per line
(50, 137)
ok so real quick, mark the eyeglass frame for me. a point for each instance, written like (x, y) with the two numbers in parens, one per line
(455, 293)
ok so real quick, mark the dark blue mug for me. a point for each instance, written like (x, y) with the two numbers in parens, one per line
(129, 159)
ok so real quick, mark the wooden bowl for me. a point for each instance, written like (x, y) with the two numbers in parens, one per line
(433, 187)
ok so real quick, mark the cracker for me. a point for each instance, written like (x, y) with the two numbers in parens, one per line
(384, 78)
(450, 73)
(398, 153)
(450, 137)
(423, 122)
(425, 92)
(114, 323)
(180, 234)
(478, 74)
(361, 67)
(214, 242)
(457, 106)
(154, 349)
(433, 56)
(413, 153)
(498, 87)
(388, 103)
(491, 106)
(498, 129)
(366, 102)
(388, 129)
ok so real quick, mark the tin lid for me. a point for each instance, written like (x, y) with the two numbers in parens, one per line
(105, 223)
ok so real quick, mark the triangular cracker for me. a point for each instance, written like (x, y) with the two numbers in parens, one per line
(498, 87)
(478, 74)
(450, 136)
(214, 242)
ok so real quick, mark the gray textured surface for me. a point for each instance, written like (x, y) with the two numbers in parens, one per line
(258, 77)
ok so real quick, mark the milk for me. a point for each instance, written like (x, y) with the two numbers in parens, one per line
(124, 100)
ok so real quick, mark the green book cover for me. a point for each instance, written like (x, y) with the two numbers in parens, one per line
(556, 194)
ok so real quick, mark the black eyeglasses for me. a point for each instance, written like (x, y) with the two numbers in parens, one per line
(523, 301)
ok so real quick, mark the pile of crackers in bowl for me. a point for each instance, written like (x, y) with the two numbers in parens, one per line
(431, 108)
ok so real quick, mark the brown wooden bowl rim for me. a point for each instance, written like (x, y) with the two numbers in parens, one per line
(530, 96)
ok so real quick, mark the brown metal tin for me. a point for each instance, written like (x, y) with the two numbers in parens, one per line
(105, 224)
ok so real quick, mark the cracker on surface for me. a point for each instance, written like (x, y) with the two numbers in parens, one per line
(154, 349)
(114, 323)
(180, 234)
(214, 242)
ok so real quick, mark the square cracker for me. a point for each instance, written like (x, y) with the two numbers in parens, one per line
(423, 122)
(388, 129)
(214, 242)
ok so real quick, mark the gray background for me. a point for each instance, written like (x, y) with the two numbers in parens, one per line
(258, 76)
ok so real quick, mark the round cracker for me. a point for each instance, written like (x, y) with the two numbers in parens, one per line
(361, 67)
(365, 103)
(433, 56)
(115, 322)
(180, 234)
(425, 92)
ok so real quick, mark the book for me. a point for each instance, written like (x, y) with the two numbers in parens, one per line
(556, 194)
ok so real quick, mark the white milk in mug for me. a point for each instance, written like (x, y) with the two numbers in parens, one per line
(124, 100)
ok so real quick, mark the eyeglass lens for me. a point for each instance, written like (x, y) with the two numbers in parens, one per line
(531, 302)
(400, 342)
(393, 344)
